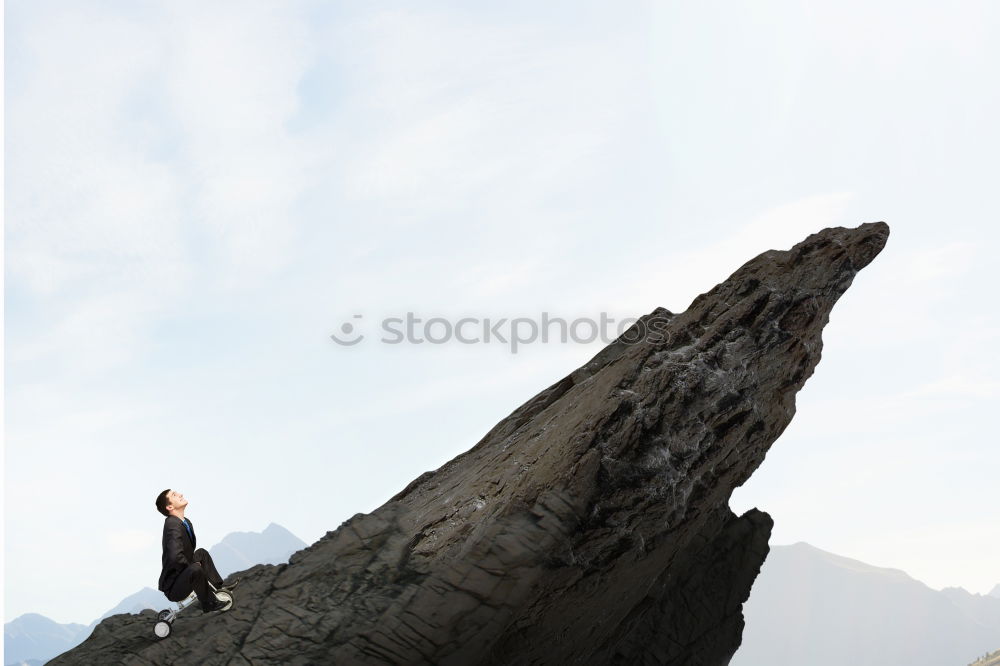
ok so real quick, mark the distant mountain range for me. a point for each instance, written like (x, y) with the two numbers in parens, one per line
(239, 551)
(812, 607)
(32, 639)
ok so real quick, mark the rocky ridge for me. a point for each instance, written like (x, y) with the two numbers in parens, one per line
(590, 526)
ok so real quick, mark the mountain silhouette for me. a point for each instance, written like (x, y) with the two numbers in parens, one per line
(809, 606)
(33, 639)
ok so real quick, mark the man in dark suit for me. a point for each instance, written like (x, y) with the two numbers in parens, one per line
(184, 568)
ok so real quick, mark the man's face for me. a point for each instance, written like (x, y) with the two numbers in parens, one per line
(175, 500)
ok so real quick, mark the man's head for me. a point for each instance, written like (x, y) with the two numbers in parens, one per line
(170, 500)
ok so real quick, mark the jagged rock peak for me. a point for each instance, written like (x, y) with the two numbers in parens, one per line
(590, 526)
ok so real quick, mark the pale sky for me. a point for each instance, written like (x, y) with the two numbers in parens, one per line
(199, 194)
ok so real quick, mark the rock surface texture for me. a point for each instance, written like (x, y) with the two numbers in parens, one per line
(591, 526)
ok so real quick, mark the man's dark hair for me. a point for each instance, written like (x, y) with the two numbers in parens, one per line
(161, 502)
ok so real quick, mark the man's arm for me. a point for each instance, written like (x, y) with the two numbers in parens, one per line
(173, 542)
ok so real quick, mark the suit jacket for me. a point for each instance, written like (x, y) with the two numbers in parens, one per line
(178, 550)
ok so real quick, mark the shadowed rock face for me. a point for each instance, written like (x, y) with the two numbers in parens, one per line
(591, 526)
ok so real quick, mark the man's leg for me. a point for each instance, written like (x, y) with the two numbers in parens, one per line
(193, 578)
(202, 555)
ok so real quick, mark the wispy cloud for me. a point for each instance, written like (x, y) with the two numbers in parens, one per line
(674, 279)
(518, 108)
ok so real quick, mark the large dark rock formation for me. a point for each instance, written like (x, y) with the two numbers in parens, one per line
(591, 526)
